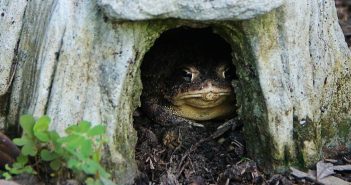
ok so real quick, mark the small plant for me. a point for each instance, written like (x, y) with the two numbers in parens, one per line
(78, 151)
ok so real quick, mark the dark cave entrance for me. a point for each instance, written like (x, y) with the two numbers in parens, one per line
(189, 71)
(187, 95)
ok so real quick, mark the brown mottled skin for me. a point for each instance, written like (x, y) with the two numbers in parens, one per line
(8, 151)
(187, 79)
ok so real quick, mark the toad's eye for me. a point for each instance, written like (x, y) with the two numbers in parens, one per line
(186, 75)
(227, 73)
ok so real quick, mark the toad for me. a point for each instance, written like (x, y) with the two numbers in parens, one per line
(187, 78)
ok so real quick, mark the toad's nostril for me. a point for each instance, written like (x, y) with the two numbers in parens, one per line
(208, 84)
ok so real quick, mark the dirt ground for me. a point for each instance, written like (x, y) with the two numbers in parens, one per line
(207, 155)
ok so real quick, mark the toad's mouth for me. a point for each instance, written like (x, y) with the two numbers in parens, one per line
(205, 98)
(204, 104)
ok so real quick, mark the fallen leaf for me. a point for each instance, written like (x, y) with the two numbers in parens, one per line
(299, 174)
(331, 180)
(324, 170)
(343, 167)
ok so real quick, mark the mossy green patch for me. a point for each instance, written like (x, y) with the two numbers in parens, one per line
(344, 130)
(328, 129)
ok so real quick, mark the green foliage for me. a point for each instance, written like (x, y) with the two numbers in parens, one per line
(78, 151)
(19, 167)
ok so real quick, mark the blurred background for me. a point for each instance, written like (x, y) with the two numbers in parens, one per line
(344, 12)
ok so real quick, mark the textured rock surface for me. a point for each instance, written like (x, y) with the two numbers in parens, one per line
(77, 62)
(11, 19)
(71, 68)
(187, 9)
(304, 67)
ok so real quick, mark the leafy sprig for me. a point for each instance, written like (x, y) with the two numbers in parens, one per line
(78, 151)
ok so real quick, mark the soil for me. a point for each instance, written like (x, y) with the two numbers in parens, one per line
(205, 155)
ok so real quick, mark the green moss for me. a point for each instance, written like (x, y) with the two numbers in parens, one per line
(300, 162)
(344, 130)
(328, 129)
(307, 136)
(250, 99)
(305, 131)
(336, 128)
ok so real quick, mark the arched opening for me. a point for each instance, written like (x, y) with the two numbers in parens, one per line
(186, 126)
(189, 73)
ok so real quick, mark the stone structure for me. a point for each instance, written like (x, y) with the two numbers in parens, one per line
(80, 59)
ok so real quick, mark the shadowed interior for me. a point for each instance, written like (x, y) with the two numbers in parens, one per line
(189, 72)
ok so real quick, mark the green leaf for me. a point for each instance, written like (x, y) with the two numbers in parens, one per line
(16, 166)
(97, 130)
(42, 136)
(83, 126)
(54, 136)
(91, 181)
(59, 150)
(46, 155)
(7, 176)
(22, 160)
(21, 141)
(66, 139)
(7, 167)
(90, 167)
(27, 169)
(71, 129)
(71, 142)
(41, 128)
(44, 120)
(27, 122)
(29, 149)
(76, 150)
(96, 156)
(20, 167)
(72, 163)
(86, 148)
(55, 164)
